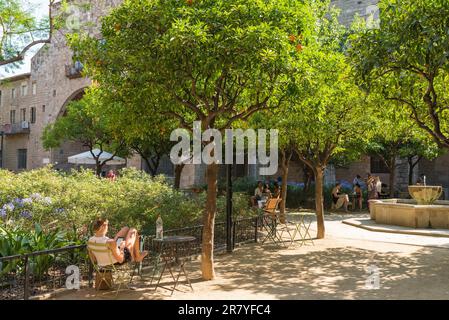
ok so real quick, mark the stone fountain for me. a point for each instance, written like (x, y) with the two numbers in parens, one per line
(423, 211)
(425, 194)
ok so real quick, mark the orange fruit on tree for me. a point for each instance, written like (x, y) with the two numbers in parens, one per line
(299, 47)
(189, 2)
(292, 38)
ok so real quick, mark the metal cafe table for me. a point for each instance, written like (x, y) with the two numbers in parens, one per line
(174, 251)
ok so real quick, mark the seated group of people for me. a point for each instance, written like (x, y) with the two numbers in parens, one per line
(263, 193)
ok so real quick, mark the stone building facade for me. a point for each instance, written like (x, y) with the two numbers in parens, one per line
(31, 101)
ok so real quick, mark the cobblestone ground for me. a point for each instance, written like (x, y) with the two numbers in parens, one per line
(409, 267)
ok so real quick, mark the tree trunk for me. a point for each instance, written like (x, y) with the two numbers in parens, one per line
(207, 255)
(98, 168)
(319, 177)
(178, 172)
(149, 166)
(285, 162)
(392, 166)
(411, 167)
(410, 170)
(307, 176)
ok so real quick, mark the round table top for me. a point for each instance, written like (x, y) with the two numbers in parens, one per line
(175, 239)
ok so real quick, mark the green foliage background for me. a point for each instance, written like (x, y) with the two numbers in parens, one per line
(77, 198)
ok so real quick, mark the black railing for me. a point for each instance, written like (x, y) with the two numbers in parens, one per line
(40, 272)
(37, 273)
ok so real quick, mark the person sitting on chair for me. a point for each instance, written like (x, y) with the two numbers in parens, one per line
(258, 192)
(267, 191)
(125, 246)
(277, 190)
(339, 199)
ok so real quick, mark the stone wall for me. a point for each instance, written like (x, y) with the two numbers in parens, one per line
(348, 173)
(350, 8)
(53, 90)
(436, 171)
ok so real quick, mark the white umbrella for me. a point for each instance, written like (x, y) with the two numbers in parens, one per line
(87, 158)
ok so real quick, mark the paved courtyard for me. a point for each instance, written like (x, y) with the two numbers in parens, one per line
(410, 267)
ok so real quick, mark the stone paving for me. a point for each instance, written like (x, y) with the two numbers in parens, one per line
(410, 267)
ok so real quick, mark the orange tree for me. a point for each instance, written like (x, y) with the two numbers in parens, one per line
(325, 116)
(407, 61)
(217, 61)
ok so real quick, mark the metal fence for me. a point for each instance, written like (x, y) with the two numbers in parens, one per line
(40, 272)
(37, 273)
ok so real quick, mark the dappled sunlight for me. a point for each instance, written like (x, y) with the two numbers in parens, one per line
(328, 270)
(333, 268)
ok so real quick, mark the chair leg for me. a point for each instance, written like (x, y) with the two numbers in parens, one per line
(171, 272)
(155, 262)
(176, 282)
(187, 276)
(307, 233)
(160, 276)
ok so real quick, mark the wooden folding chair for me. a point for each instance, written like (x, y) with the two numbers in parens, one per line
(122, 275)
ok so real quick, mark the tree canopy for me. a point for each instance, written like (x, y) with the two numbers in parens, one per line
(20, 30)
(215, 61)
(406, 60)
(84, 124)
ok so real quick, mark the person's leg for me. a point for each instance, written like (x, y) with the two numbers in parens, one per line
(139, 255)
(339, 204)
(122, 233)
(345, 201)
(133, 245)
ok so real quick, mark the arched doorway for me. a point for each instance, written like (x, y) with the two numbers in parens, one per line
(68, 148)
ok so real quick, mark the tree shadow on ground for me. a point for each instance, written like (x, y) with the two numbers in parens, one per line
(338, 273)
(316, 273)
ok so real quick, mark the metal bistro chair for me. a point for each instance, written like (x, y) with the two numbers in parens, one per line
(272, 222)
(302, 227)
(105, 263)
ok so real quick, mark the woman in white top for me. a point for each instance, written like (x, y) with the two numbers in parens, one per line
(378, 186)
(125, 246)
(258, 192)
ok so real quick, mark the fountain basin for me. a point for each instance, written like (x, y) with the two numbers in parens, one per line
(425, 194)
(408, 213)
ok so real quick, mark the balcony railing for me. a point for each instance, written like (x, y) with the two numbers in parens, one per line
(73, 71)
(22, 127)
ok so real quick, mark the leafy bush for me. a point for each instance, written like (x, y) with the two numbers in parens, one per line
(72, 201)
(244, 184)
(15, 240)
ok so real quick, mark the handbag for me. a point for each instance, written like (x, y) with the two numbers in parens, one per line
(103, 280)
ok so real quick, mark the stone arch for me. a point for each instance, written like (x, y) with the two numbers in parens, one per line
(59, 155)
(75, 96)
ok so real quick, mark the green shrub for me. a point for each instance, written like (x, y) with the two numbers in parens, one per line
(72, 201)
(15, 240)
(244, 184)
